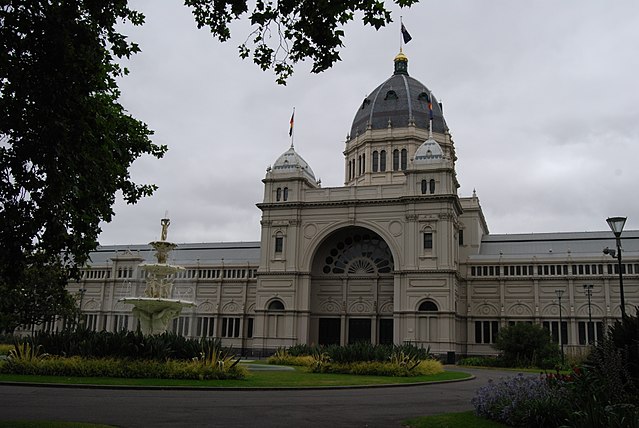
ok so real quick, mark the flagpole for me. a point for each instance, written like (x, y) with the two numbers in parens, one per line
(430, 114)
(401, 40)
(292, 130)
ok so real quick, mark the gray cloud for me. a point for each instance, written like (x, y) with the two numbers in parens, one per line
(541, 98)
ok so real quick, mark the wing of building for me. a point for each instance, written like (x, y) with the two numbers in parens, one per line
(393, 256)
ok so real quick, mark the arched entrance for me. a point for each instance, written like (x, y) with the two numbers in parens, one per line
(352, 289)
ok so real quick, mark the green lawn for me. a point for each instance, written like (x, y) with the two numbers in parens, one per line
(257, 379)
(452, 420)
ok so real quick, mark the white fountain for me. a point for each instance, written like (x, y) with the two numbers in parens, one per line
(156, 308)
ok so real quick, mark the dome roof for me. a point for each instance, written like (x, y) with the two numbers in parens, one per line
(428, 153)
(398, 100)
(289, 162)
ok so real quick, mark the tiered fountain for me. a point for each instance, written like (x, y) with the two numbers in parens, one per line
(156, 308)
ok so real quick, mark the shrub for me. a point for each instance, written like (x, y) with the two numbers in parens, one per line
(430, 367)
(521, 401)
(606, 391)
(282, 357)
(481, 362)
(361, 351)
(5, 348)
(526, 345)
(26, 350)
(400, 365)
(122, 344)
(109, 367)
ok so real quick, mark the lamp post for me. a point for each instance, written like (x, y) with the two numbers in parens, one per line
(590, 329)
(616, 225)
(559, 293)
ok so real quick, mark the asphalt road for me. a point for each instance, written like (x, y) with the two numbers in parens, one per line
(370, 407)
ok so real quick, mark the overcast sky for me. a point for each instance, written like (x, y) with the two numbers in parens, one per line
(541, 98)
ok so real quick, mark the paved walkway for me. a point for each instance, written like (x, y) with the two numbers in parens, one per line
(373, 407)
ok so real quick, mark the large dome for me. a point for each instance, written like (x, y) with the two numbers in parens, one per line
(398, 100)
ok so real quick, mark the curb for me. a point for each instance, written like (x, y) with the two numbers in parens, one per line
(230, 388)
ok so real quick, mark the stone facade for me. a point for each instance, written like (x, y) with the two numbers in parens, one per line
(393, 256)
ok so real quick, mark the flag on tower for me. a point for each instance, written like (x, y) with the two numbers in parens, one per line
(407, 37)
(290, 131)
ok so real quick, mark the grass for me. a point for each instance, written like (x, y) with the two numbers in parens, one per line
(451, 420)
(258, 379)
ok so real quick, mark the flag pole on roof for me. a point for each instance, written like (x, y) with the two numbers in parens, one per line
(430, 114)
(292, 123)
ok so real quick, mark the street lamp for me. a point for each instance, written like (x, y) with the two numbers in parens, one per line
(559, 293)
(590, 329)
(616, 225)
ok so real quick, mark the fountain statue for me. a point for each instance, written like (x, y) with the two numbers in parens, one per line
(156, 308)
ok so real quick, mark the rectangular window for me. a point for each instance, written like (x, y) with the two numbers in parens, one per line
(279, 244)
(121, 323)
(230, 327)
(249, 327)
(205, 327)
(181, 326)
(91, 322)
(486, 331)
(461, 236)
(553, 328)
(589, 332)
(428, 240)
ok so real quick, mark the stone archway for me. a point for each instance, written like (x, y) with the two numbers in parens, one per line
(351, 295)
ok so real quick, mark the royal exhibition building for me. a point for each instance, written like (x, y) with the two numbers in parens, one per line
(394, 255)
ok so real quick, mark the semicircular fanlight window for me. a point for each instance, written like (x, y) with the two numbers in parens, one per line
(359, 254)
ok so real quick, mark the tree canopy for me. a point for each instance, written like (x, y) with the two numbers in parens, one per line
(66, 144)
(285, 32)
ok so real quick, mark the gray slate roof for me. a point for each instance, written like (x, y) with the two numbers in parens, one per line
(558, 244)
(233, 253)
(380, 106)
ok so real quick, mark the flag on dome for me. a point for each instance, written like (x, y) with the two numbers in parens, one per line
(290, 131)
(407, 37)
(430, 106)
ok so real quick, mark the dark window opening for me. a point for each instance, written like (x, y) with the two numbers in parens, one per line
(428, 240)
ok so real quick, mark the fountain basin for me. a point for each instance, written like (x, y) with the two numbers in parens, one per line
(155, 313)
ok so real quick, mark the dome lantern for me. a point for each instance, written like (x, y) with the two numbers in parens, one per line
(401, 63)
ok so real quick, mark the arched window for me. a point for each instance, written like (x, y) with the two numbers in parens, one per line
(404, 159)
(286, 193)
(363, 164)
(427, 306)
(382, 160)
(432, 186)
(276, 305)
(391, 95)
(395, 160)
(278, 194)
(424, 187)
(359, 254)
(375, 161)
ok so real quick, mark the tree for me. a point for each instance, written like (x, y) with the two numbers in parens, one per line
(525, 344)
(66, 144)
(288, 31)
